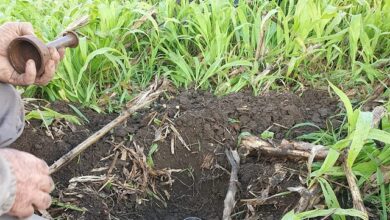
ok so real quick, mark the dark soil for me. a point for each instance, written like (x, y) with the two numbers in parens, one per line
(208, 125)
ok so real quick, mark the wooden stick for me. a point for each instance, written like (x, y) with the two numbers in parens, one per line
(230, 201)
(137, 103)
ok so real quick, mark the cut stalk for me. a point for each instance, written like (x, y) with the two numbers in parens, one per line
(142, 100)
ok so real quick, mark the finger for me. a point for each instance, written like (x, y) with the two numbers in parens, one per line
(48, 75)
(54, 55)
(42, 167)
(61, 51)
(36, 164)
(22, 212)
(41, 200)
(46, 184)
(26, 78)
(25, 28)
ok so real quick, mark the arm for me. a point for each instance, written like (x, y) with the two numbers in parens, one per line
(11, 126)
(25, 183)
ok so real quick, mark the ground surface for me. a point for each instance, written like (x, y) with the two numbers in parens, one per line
(207, 125)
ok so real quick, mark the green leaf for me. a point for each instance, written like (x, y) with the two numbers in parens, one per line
(78, 112)
(330, 197)
(267, 135)
(290, 216)
(243, 134)
(355, 28)
(48, 116)
(379, 135)
(329, 162)
(363, 126)
(380, 182)
(336, 211)
(152, 150)
(347, 104)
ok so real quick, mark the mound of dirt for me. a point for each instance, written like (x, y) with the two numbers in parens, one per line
(189, 132)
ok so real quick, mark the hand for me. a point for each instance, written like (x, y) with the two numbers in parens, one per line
(33, 183)
(8, 74)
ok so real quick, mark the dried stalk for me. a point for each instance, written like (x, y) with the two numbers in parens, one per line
(356, 196)
(76, 24)
(113, 163)
(229, 201)
(378, 90)
(378, 113)
(141, 101)
(260, 50)
(252, 143)
(309, 197)
(143, 19)
(179, 136)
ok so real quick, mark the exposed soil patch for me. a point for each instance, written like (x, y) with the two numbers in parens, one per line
(207, 125)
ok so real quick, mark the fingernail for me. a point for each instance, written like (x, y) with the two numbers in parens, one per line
(53, 185)
(30, 62)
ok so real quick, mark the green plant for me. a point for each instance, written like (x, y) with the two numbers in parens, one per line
(47, 116)
(364, 156)
(267, 135)
(68, 206)
(209, 45)
(149, 159)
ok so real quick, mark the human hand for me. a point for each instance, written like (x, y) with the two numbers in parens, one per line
(8, 74)
(33, 183)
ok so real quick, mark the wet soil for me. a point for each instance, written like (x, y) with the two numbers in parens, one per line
(207, 125)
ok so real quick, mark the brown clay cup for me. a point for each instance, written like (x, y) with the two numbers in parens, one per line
(28, 47)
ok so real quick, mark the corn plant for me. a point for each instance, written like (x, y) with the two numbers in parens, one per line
(212, 45)
(365, 156)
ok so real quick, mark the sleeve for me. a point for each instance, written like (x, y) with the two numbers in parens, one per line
(11, 115)
(7, 187)
(11, 127)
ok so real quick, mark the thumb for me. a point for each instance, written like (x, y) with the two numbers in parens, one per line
(27, 78)
(25, 28)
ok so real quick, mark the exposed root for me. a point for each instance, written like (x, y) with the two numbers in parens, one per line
(230, 201)
(142, 179)
(264, 197)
